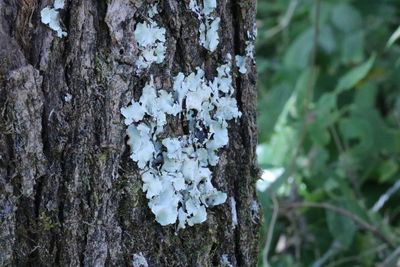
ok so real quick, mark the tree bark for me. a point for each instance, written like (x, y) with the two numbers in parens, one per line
(69, 194)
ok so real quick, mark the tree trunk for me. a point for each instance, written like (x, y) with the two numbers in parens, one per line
(70, 195)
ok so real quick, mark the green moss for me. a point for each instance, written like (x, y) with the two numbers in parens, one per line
(95, 198)
(133, 197)
(45, 222)
(246, 5)
(102, 157)
(136, 193)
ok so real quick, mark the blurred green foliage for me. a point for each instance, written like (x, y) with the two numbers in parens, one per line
(329, 116)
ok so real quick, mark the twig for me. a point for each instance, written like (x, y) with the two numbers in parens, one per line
(316, 32)
(313, 56)
(284, 22)
(385, 197)
(271, 228)
(336, 138)
(332, 251)
(349, 259)
(363, 224)
(392, 257)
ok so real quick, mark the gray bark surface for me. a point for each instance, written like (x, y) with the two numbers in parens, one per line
(69, 194)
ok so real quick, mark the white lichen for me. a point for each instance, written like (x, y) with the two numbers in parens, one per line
(142, 147)
(51, 17)
(255, 209)
(241, 61)
(139, 260)
(152, 11)
(241, 64)
(209, 6)
(150, 39)
(249, 49)
(209, 38)
(250, 42)
(175, 170)
(233, 212)
(58, 4)
(67, 97)
(224, 261)
(209, 24)
(193, 6)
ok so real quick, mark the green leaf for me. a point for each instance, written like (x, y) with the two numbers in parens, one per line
(365, 243)
(319, 156)
(350, 79)
(347, 163)
(304, 87)
(326, 104)
(325, 114)
(387, 169)
(325, 11)
(352, 48)
(278, 151)
(319, 133)
(365, 97)
(341, 228)
(346, 18)
(360, 130)
(298, 54)
(270, 106)
(327, 39)
(367, 128)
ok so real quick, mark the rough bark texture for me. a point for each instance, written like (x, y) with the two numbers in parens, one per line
(69, 194)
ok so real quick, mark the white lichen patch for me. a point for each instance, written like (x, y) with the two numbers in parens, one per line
(152, 11)
(249, 49)
(209, 38)
(193, 6)
(250, 42)
(150, 39)
(255, 209)
(224, 261)
(241, 61)
(233, 212)
(209, 6)
(241, 64)
(139, 260)
(67, 97)
(209, 24)
(175, 170)
(51, 17)
(58, 4)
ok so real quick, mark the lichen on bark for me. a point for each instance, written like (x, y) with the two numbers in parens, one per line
(69, 194)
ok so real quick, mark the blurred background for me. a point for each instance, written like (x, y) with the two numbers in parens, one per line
(329, 132)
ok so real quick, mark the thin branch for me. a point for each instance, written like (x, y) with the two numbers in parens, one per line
(363, 224)
(391, 258)
(316, 32)
(313, 56)
(336, 138)
(358, 257)
(271, 228)
(284, 22)
(332, 251)
(386, 196)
